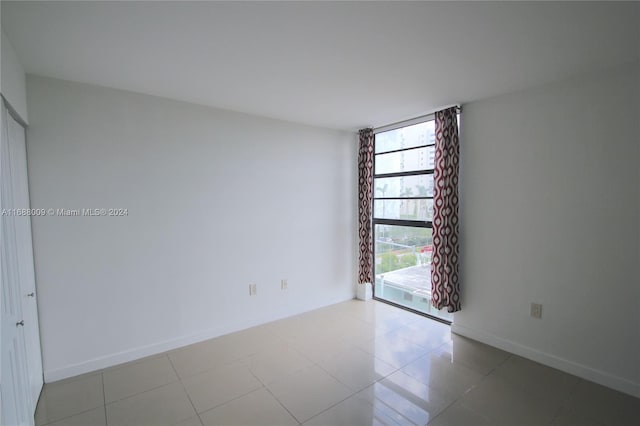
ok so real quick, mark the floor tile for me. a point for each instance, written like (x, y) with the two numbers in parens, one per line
(135, 361)
(536, 379)
(570, 418)
(475, 355)
(504, 404)
(458, 415)
(604, 405)
(249, 342)
(427, 333)
(437, 371)
(413, 400)
(132, 379)
(356, 368)
(299, 327)
(308, 392)
(286, 328)
(191, 421)
(68, 397)
(384, 316)
(258, 408)
(318, 350)
(351, 363)
(164, 406)
(215, 387)
(351, 329)
(393, 349)
(354, 411)
(276, 362)
(95, 417)
(387, 323)
(201, 357)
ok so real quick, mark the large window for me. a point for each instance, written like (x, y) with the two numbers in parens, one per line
(402, 215)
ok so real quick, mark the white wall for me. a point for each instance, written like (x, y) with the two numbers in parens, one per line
(216, 200)
(550, 206)
(12, 79)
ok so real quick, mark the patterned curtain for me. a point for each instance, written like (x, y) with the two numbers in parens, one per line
(445, 278)
(365, 184)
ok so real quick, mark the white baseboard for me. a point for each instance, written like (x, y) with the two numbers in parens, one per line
(167, 345)
(571, 367)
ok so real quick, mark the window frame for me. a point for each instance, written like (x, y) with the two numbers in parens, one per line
(399, 222)
(421, 172)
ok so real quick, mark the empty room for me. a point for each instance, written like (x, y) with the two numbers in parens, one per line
(320, 213)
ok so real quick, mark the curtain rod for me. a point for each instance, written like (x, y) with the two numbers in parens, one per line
(411, 121)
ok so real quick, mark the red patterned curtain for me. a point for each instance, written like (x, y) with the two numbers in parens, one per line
(365, 184)
(445, 278)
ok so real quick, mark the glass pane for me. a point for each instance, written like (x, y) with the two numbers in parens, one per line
(403, 209)
(405, 186)
(405, 161)
(403, 267)
(406, 137)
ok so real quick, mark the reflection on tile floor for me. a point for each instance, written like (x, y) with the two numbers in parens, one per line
(365, 363)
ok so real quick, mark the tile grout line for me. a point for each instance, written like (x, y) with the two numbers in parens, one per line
(226, 402)
(173, 367)
(312, 363)
(68, 417)
(104, 399)
(141, 392)
(50, 422)
(459, 397)
(563, 404)
(377, 380)
(329, 408)
(104, 395)
(500, 365)
(482, 379)
(282, 405)
(485, 377)
(264, 385)
(208, 370)
(456, 399)
(354, 393)
(231, 400)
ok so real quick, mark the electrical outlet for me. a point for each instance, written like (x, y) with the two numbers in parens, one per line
(252, 290)
(536, 310)
(283, 284)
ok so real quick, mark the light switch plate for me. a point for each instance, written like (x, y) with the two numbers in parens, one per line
(536, 310)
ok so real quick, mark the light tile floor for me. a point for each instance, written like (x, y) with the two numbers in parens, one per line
(354, 363)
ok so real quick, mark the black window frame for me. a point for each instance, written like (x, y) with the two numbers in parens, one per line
(399, 222)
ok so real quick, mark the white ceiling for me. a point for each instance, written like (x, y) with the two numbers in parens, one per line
(340, 65)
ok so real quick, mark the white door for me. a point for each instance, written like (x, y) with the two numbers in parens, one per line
(14, 383)
(24, 251)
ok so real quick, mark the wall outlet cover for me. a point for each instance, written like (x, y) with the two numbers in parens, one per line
(536, 310)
